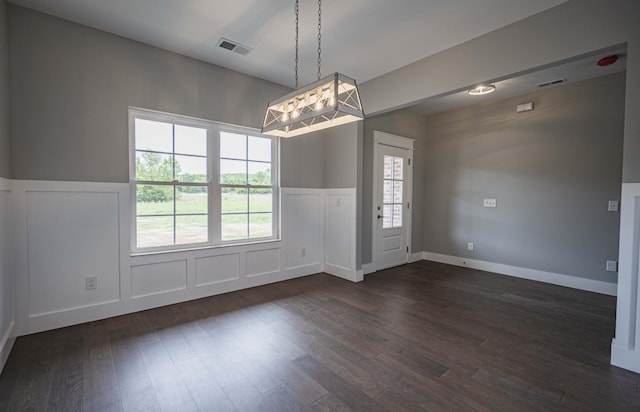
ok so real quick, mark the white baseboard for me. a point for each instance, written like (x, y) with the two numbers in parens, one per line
(625, 358)
(415, 257)
(368, 268)
(6, 344)
(575, 282)
(344, 273)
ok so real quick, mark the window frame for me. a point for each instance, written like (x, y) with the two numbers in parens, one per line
(214, 216)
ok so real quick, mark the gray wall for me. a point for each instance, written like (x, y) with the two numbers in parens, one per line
(402, 123)
(72, 85)
(552, 172)
(341, 156)
(568, 30)
(5, 144)
(302, 162)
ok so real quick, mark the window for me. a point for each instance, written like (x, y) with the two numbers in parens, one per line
(199, 183)
(392, 213)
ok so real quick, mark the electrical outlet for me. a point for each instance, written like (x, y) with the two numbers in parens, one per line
(470, 246)
(490, 203)
(613, 206)
(612, 266)
(90, 282)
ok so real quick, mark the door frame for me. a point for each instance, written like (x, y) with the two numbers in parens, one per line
(388, 139)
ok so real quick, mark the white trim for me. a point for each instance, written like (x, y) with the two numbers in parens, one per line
(368, 268)
(624, 357)
(625, 348)
(393, 140)
(387, 139)
(6, 344)
(415, 257)
(6, 185)
(346, 272)
(575, 282)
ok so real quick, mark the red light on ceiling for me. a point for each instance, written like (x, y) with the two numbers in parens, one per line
(608, 61)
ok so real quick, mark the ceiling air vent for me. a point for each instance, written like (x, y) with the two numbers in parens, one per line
(233, 46)
(552, 82)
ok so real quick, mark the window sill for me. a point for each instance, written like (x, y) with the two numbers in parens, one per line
(201, 248)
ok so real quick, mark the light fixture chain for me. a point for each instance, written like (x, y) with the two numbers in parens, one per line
(297, 19)
(319, 34)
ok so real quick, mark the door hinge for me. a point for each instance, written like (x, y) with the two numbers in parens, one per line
(408, 205)
(407, 249)
(409, 161)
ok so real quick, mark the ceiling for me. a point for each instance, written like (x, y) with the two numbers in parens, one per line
(574, 70)
(360, 38)
(363, 39)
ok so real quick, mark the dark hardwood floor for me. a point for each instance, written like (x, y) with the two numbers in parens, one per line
(424, 336)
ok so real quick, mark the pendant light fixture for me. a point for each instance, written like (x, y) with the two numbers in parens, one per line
(327, 102)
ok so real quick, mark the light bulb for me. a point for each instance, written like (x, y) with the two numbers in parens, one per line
(285, 116)
(295, 114)
(319, 105)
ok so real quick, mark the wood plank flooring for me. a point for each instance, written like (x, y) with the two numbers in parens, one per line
(423, 336)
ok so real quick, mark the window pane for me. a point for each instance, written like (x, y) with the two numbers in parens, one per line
(397, 168)
(386, 216)
(388, 191)
(191, 169)
(233, 172)
(191, 199)
(234, 227)
(154, 167)
(397, 215)
(233, 146)
(259, 173)
(397, 192)
(191, 229)
(154, 136)
(388, 167)
(259, 148)
(260, 225)
(191, 140)
(154, 231)
(234, 200)
(260, 200)
(154, 200)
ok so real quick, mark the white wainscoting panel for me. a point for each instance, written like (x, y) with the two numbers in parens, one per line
(302, 229)
(263, 262)
(625, 348)
(156, 278)
(71, 235)
(65, 231)
(340, 232)
(7, 294)
(217, 269)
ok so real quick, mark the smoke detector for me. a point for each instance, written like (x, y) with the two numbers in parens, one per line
(233, 46)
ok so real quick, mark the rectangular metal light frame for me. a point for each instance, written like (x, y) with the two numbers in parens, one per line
(331, 101)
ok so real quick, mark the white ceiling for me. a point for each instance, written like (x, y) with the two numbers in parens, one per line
(360, 38)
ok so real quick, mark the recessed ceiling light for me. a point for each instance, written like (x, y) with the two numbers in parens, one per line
(482, 89)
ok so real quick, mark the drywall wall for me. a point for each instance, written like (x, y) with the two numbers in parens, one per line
(302, 161)
(402, 123)
(341, 156)
(5, 141)
(552, 171)
(571, 29)
(78, 82)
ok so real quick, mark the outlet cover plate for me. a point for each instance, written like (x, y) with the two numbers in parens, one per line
(490, 203)
(613, 206)
(612, 266)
